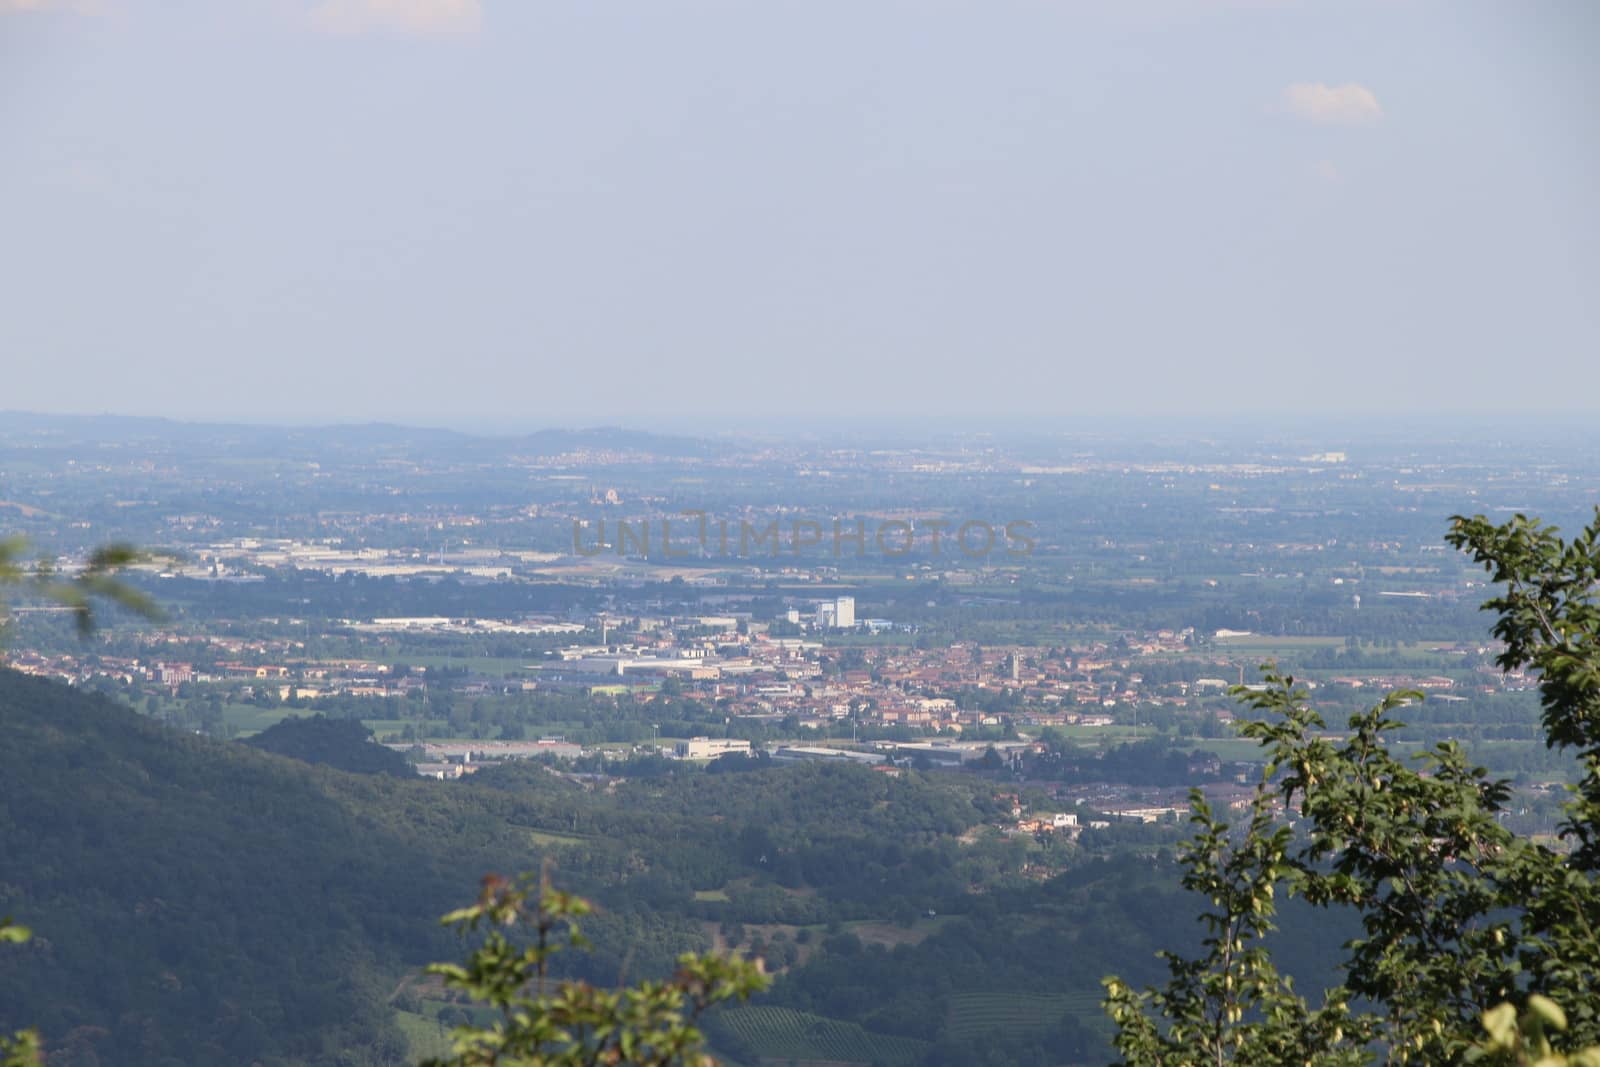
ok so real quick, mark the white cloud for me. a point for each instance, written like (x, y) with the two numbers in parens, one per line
(404, 16)
(1342, 105)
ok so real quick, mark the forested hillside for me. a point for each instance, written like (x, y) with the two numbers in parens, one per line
(341, 743)
(196, 901)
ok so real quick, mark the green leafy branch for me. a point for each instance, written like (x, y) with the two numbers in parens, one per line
(1467, 928)
(98, 579)
(1524, 1040)
(572, 1023)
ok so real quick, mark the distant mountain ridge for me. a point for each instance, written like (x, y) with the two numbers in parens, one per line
(124, 429)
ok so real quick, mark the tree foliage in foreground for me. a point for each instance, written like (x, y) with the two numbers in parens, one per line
(548, 1023)
(1478, 945)
(95, 580)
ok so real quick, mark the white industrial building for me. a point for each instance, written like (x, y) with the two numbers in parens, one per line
(837, 614)
(709, 747)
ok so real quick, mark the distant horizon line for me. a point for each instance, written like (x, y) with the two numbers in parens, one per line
(711, 425)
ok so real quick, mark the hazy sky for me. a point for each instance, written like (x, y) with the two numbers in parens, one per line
(558, 211)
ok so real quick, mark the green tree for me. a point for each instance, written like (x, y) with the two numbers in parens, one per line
(1230, 1005)
(548, 1023)
(1473, 939)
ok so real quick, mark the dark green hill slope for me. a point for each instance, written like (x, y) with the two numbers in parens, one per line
(341, 743)
(197, 901)
(201, 902)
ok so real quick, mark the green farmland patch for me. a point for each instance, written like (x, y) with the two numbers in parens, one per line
(972, 1015)
(772, 1033)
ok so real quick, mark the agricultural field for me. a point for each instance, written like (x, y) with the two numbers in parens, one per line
(425, 1038)
(890, 934)
(785, 1034)
(1111, 733)
(1229, 749)
(972, 1015)
(247, 720)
